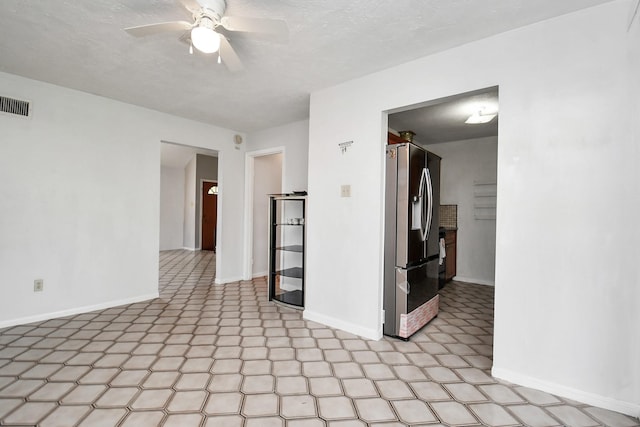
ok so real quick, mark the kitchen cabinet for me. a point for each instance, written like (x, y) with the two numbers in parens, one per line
(394, 139)
(287, 248)
(450, 242)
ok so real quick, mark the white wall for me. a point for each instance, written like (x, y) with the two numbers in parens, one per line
(567, 293)
(292, 141)
(463, 164)
(190, 195)
(171, 208)
(267, 180)
(83, 213)
(294, 137)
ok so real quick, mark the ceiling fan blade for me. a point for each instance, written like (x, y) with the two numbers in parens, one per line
(162, 27)
(185, 38)
(229, 56)
(276, 27)
(191, 5)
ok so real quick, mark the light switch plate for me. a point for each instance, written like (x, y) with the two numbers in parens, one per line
(345, 190)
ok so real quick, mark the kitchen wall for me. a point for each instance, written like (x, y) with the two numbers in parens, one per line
(566, 263)
(80, 200)
(464, 163)
(171, 208)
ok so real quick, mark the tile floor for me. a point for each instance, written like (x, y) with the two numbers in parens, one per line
(222, 355)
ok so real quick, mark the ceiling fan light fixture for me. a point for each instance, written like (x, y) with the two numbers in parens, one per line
(204, 37)
(479, 117)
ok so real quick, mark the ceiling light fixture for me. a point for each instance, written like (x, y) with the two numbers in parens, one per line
(204, 37)
(480, 117)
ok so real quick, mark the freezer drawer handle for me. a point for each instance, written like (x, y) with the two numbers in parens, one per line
(405, 287)
(401, 280)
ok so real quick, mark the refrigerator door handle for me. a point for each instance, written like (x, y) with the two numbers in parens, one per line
(421, 217)
(429, 215)
(417, 207)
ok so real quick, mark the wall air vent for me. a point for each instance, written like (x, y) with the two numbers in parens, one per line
(14, 106)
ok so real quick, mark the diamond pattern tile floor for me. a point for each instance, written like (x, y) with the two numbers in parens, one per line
(222, 355)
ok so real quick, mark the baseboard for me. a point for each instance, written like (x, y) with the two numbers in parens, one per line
(226, 280)
(189, 249)
(77, 310)
(628, 408)
(259, 274)
(372, 334)
(472, 280)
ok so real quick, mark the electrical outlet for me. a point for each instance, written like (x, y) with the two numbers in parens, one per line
(345, 190)
(38, 285)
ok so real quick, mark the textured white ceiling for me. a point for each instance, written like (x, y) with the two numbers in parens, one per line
(81, 45)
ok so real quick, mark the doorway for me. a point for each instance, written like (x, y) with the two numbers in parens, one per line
(264, 174)
(463, 131)
(468, 189)
(209, 215)
(183, 169)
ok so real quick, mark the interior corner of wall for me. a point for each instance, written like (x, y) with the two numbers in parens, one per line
(352, 328)
(595, 399)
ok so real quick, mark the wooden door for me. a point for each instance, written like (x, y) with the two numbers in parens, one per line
(209, 216)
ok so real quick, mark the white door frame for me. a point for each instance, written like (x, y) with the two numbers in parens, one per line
(249, 173)
(219, 247)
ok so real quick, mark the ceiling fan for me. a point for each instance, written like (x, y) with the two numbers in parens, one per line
(206, 31)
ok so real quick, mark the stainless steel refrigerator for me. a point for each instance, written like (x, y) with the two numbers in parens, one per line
(411, 239)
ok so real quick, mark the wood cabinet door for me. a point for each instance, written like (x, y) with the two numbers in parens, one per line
(450, 248)
(394, 139)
